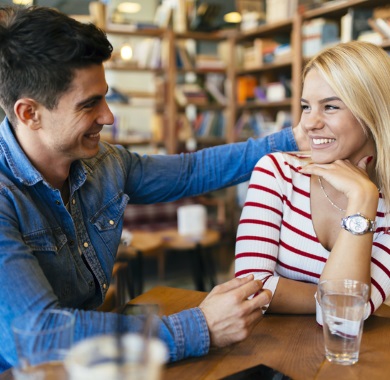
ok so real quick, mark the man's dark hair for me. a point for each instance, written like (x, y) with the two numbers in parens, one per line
(40, 49)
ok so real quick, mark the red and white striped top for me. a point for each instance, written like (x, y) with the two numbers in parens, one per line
(276, 236)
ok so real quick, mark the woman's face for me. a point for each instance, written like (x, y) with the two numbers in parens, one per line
(333, 131)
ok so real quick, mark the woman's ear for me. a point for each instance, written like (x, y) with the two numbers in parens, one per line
(27, 112)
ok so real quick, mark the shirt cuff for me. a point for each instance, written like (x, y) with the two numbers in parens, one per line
(283, 141)
(271, 283)
(191, 333)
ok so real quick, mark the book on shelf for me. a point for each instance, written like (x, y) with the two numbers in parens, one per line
(275, 92)
(254, 54)
(252, 19)
(163, 15)
(228, 56)
(371, 36)
(132, 26)
(278, 10)
(282, 53)
(355, 22)
(209, 62)
(210, 124)
(381, 26)
(190, 93)
(260, 124)
(214, 85)
(246, 86)
(147, 53)
(317, 34)
(180, 16)
(184, 59)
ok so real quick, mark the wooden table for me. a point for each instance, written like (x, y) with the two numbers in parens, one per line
(292, 344)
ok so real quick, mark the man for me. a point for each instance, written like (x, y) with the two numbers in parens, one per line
(63, 192)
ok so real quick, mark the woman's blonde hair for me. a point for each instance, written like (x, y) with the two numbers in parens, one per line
(359, 73)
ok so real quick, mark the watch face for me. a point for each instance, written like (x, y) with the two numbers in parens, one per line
(358, 224)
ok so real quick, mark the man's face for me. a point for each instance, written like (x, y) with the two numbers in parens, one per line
(72, 130)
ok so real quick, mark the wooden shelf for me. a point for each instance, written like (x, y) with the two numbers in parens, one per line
(266, 30)
(204, 107)
(265, 67)
(212, 36)
(133, 68)
(130, 31)
(201, 71)
(338, 7)
(258, 104)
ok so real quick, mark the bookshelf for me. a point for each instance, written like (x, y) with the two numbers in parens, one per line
(263, 86)
(137, 108)
(168, 78)
(177, 66)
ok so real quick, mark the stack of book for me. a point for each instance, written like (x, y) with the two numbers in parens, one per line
(190, 93)
(210, 124)
(209, 62)
(317, 34)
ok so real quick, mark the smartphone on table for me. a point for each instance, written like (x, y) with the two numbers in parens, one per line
(258, 372)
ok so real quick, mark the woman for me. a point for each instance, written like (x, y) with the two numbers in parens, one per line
(321, 216)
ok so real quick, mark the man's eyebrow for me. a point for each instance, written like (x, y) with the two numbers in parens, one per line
(90, 99)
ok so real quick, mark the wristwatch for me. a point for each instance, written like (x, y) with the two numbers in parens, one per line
(358, 224)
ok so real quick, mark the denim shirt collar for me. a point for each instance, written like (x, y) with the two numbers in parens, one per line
(21, 166)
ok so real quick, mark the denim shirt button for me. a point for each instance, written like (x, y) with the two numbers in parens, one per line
(104, 286)
(73, 201)
(86, 245)
(111, 222)
(58, 202)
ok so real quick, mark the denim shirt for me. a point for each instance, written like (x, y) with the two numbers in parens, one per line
(54, 258)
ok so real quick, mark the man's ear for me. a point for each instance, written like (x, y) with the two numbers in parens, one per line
(27, 112)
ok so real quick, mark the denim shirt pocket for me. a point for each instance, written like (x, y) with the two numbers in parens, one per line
(49, 246)
(46, 240)
(108, 220)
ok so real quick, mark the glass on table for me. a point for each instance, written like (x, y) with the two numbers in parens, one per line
(42, 341)
(120, 356)
(343, 304)
(100, 358)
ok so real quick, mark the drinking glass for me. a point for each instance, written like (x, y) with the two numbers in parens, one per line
(343, 304)
(120, 356)
(42, 341)
(101, 358)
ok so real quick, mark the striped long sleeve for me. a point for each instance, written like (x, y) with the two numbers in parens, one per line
(276, 237)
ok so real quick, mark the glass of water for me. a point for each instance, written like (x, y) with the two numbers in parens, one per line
(343, 304)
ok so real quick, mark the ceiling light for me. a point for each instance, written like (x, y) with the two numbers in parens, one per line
(128, 7)
(126, 52)
(232, 17)
(23, 2)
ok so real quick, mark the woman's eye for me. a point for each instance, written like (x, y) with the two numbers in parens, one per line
(330, 107)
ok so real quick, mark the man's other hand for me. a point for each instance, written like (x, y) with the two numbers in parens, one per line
(301, 138)
(229, 314)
